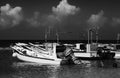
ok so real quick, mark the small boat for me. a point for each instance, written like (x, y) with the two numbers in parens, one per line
(117, 51)
(84, 51)
(43, 55)
(93, 52)
(105, 53)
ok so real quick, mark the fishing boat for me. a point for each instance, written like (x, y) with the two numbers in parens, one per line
(92, 52)
(116, 51)
(43, 55)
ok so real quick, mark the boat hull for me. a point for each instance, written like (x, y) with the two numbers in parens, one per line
(26, 58)
(94, 56)
(117, 54)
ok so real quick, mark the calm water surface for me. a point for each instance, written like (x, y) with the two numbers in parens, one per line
(95, 69)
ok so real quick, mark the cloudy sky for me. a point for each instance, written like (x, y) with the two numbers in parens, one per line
(31, 19)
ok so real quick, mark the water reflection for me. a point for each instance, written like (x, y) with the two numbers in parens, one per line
(107, 63)
(29, 70)
(93, 69)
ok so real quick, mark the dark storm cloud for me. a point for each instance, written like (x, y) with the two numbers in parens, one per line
(9, 16)
(97, 20)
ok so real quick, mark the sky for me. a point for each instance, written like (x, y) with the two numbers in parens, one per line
(71, 19)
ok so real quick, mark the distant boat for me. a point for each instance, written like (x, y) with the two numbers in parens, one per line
(90, 51)
(116, 51)
(44, 55)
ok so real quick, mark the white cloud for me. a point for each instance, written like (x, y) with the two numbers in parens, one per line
(62, 11)
(10, 16)
(35, 20)
(59, 13)
(64, 8)
(97, 20)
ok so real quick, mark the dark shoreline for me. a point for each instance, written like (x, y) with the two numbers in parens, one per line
(7, 43)
(62, 41)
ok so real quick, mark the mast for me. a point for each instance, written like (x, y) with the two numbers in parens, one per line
(57, 35)
(46, 35)
(97, 34)
(118, 37)
(91, 34)
(88, 36)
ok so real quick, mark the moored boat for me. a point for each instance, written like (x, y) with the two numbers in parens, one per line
(46, 55)
(93, 52)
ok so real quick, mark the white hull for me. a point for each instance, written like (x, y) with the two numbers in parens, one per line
(37, 60)
(86, 55)
(117, 55)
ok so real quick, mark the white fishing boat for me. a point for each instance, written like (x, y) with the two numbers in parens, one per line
(92, 51)
(84, 51)
(116, 51)
(31, 53)
(89, 50)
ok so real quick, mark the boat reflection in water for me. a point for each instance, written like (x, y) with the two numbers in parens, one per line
(34, 70)
(93, 69)
(90, 69)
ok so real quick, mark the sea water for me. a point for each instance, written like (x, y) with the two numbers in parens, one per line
(32, 70)
(92, 69)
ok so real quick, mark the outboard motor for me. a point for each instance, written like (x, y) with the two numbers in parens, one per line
(70, 57)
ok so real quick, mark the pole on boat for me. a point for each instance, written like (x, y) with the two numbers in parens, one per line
(97, 34)
(88, 36)
(118, 37)
(91, 34)
(57, 36)
(46, 35)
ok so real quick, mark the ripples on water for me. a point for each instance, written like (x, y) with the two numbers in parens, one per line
(32, 70)
(93, 69)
